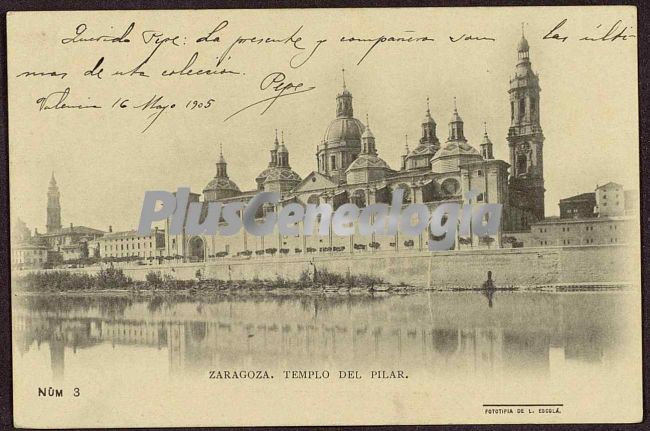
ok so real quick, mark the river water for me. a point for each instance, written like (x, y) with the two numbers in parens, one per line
(523, 340)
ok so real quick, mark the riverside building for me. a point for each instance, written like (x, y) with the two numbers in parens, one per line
(350, 169)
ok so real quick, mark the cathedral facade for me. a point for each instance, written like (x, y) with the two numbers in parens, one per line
(349, 168)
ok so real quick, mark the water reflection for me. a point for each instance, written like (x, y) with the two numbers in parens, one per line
(435, 332)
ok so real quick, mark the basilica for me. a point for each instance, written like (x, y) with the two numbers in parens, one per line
(349, 168)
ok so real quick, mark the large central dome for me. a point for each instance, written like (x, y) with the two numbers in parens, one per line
(347, 130)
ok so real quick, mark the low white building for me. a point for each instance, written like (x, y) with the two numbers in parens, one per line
(131, 243)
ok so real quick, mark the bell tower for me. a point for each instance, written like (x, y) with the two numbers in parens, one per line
(53, 207)
(525, 139)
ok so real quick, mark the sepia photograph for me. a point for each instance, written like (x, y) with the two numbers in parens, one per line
(293, 217)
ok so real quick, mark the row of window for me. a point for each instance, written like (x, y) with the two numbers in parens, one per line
(132, 238)
(139, 254)
(110, 247)
(586, 241)
(587, 228)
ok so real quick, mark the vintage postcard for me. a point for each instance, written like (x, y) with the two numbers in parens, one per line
(325, 216)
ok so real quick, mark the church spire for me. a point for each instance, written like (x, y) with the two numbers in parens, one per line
(456, 126)
(523, 47)
(222, 171)
(274, 151)
(368, 140)
(283, 154)
(429, 129)
(406, 151)
(344, 101)
(486, 145)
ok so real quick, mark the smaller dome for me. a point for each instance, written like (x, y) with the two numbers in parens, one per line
(221, 184)
(456, 149)
(422, 150)
(281, 174)
(264, 173)
(368, 161)
(283, 149)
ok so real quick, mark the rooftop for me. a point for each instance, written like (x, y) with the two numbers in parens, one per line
(591, 196)
(128, 233)
(74, 230)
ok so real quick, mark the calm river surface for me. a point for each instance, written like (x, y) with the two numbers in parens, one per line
(147, 360)
(453, 333)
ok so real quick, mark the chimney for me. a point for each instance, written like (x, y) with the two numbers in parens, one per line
(110, 229)
(71, 228)
(35, 231)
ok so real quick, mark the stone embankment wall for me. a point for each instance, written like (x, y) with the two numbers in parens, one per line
(467, 268)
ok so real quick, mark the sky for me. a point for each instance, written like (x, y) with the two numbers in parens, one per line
(103, 163)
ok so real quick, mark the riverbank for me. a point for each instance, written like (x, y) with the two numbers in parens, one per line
(524, 268)
(113, 281)
(76, 285)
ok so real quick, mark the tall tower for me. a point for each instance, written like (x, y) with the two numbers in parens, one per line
(525, 139)
(53, 207)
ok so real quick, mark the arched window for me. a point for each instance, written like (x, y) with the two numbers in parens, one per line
(533, 107)
(359, 198)
(522, 164)
(430, 192)
(407, 193)
(314, 199)
(450, 187)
